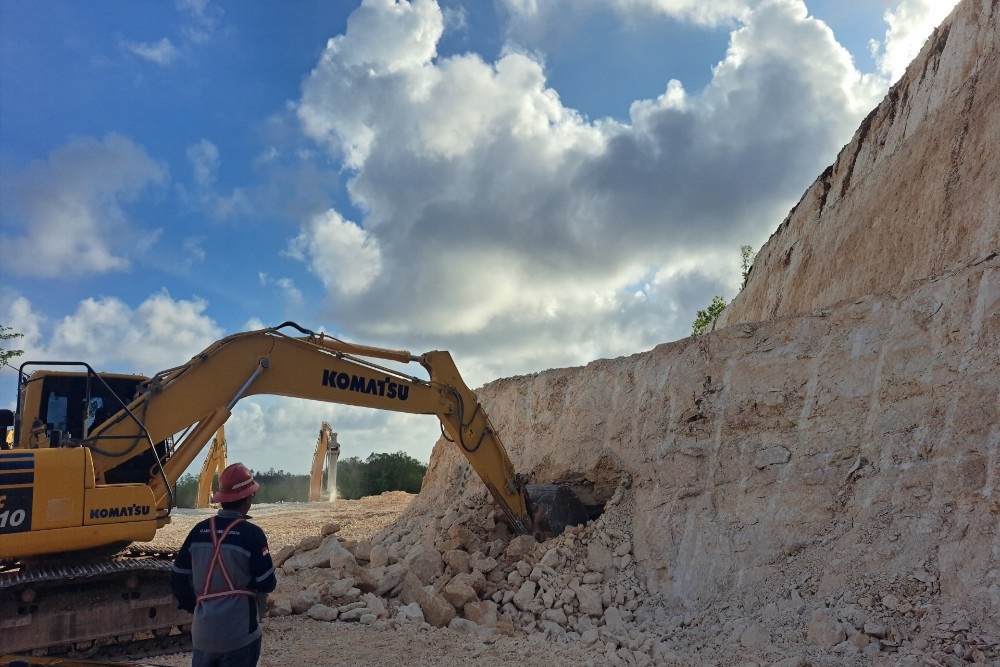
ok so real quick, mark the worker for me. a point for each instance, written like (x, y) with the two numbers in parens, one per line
(222, 574)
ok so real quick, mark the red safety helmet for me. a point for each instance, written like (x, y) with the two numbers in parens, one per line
(235, 483)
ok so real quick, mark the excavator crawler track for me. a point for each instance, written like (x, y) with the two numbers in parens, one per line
(83, 609)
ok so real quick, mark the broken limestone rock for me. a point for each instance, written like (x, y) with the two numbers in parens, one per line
(330, 529)
(590, 601)
(302, 601)
(320, 556)
(281, 555)
(378, 556)
(459, 594)
(410, 613)
(436, 610)
(425, 563)
(525, 596)
(520, 546)
(824, 629)
(322, 613)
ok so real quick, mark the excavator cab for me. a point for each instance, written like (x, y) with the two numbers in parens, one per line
(63, 407)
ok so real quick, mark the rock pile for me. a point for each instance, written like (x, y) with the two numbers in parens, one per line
(460, 569)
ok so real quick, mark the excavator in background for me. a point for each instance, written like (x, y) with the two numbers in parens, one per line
(327, 454)
(96, 456)
(215, 463)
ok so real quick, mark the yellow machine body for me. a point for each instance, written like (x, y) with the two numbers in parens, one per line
(69, 507)
(325, 456)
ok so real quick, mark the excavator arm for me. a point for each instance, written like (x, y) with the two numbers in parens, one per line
(324, 455)
(176, 412)
(215, 463)
(197, 398)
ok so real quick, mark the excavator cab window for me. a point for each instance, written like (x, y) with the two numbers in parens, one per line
(6, 428)
(55, 411)
(72, 403)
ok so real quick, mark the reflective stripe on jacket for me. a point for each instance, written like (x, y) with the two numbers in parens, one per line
(217, 564)
(223, 564)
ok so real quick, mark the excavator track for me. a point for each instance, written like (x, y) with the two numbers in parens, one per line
(120, 606)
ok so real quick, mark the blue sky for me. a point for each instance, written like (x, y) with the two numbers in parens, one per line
(527, 183)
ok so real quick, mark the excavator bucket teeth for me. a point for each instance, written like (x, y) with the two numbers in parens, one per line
(553, 507)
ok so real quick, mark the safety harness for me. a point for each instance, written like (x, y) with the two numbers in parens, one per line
(217, 561)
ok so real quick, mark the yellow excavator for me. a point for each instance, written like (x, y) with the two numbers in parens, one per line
(215, 463)
(326, 454)
(95, 458)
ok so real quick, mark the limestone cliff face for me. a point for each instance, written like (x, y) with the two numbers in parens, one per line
(840, 436)
(915, 194)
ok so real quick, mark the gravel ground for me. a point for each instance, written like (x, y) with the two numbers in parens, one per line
(287, 523)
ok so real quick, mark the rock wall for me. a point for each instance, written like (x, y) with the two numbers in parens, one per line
(837, 439)
(913, 195)
(868, 432)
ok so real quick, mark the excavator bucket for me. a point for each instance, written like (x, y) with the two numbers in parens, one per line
(554, 507)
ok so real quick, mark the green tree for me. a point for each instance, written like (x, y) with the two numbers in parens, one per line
(186, 491)
(393, 472)
(350, 478)
(278, 486)
(747, 256)
(707, 316)
(8, 353)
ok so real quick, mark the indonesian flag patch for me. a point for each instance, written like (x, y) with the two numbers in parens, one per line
(264, 551)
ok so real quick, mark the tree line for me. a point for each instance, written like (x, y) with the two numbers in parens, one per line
(355, 479)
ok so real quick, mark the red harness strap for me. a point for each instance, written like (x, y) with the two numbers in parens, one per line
(217, 561)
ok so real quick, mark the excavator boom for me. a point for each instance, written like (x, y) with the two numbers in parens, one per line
(176, 412)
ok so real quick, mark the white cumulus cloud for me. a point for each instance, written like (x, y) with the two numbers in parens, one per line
(502, 215)
(909, 25)
(67, 213)
(342, 254)
(534, 18)
(204, 159)
(162, 52)
(161, 332)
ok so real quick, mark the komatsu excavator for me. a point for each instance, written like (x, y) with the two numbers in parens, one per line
(95, 458)
(326, 454)
(215, 463)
